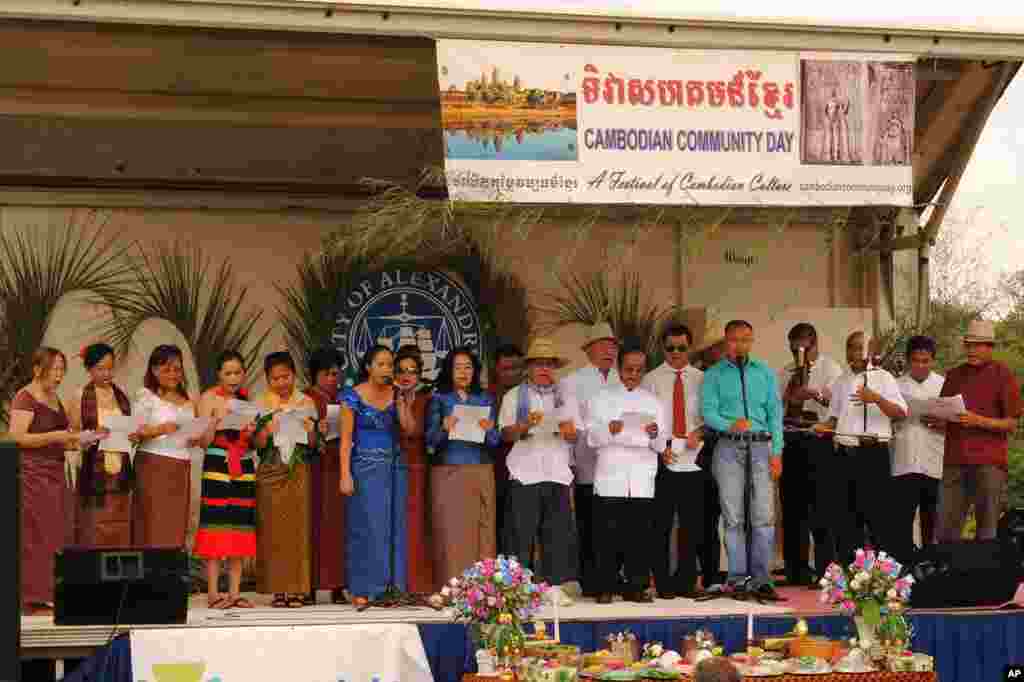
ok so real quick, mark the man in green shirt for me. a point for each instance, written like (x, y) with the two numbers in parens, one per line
(741, 402)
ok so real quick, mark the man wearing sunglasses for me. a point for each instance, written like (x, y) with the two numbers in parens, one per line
(680, 483)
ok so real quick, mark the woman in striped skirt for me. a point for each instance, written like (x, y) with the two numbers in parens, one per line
(227, 515)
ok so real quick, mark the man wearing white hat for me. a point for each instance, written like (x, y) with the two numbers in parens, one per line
(539, 421)
(600, 373)
(975, 462)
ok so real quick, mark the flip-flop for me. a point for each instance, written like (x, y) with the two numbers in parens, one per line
(242, 603)
(280, 602)
(295, 602)
(219, 604)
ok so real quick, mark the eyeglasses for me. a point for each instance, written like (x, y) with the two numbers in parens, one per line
(676, 349)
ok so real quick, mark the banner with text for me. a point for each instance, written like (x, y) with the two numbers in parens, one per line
(540, 123)
(311, 653)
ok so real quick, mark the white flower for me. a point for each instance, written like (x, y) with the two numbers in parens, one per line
(891, 594)
(445, 591)
(823, 582)
(656, 650)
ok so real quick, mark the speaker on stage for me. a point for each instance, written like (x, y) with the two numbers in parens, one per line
(965, 574)
(121, 586)
(10, 528)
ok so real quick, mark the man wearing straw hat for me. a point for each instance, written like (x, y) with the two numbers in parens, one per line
(600, 373)
(975, 461)
(539, 421)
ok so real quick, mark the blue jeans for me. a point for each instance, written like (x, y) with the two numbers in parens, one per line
(728, 468)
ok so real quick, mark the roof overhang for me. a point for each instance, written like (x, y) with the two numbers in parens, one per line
(437, 21)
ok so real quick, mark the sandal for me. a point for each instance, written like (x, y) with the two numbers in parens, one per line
(242, 603)
(280, 601)
(338, 596)
(41, 608)
(219, 604)
(361, 603)
(295, 601)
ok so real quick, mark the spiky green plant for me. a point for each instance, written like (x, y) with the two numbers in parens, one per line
(39, 266)
(175, 282)
(601, 296)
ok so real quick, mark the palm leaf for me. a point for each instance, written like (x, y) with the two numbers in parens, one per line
(177, 283)
(39, 266)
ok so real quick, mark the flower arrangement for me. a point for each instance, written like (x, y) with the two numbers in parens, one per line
(868, 587)
(491, 588)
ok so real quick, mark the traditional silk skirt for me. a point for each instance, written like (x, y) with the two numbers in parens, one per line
(42, 523)
(105, 515)
(161, 501)
(283, 528)
(227, 512)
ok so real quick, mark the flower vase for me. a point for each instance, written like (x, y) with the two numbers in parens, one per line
(865, 633)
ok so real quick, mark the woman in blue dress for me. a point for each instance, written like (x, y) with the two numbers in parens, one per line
(375, 480)
(462, 472)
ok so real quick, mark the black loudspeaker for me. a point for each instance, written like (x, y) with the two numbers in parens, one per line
(121, 586)
(965, 574)
(10, 528)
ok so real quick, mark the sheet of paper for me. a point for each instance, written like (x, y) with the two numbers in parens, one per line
(87, 438)
(240, 413)
(120, 428)
(948, 408)
(548, 427)
(189, 428)
(467, 427)
(635, 423)
(292, 427)
(333, 422)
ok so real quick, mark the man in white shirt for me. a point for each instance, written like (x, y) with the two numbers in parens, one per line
(679, 487)
(917, 451)
(537, 418)
(807, 461)
(623, 425)
(601, 349)
(864, 402)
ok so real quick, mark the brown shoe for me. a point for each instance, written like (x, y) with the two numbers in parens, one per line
(638, 597)
(605, 598)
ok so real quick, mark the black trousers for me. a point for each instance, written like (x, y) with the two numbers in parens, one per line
(709, 547)
(868, 499)
(807, 468)
(541, 511)
(911, 492)
(627, 531)
(682, 493)
(583, 497)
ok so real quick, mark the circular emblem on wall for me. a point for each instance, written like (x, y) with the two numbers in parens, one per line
(397, 308)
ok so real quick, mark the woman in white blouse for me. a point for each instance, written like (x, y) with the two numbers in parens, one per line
(163, 488)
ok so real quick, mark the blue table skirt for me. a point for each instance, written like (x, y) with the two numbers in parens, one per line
(967, 648)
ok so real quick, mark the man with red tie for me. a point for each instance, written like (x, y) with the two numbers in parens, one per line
(680, 483)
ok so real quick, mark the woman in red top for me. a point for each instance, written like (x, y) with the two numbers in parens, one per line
(328, 513)
(39, 426)
(409, 366)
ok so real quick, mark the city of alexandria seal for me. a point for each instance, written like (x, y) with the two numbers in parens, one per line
(397, 308)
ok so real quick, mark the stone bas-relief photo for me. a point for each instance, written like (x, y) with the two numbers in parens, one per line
(857, 113)
(891, 113)
(833, 112)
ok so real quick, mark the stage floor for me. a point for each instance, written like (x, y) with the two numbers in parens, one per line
(40, 638)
